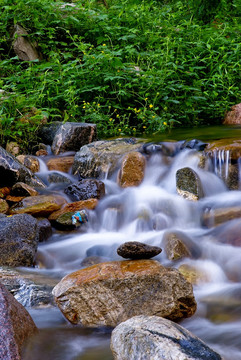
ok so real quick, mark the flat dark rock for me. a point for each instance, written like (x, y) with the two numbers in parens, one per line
(136, 250)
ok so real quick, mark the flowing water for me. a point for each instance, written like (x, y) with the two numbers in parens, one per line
(146, 213)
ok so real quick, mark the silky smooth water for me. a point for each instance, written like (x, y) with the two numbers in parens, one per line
(146, 213)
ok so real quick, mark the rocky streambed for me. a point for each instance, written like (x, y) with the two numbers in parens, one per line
(121, 234)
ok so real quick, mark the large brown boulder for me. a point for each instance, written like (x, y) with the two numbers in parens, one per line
(132, 169)
(112, 292)
(233, 117)
(16, 326)
(41, 205)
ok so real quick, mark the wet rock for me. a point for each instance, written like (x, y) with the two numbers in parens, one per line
(194, 144)
(189, 184)
(101, 158)
(30, 290)
(86, 189)
(224, 149)
(151, 337)
(47, 132)
(4, 207)
(41, 152)
(92, 260)
(22, 47)
(109, 293)
(57, 178)
(132, 169)
(31, 162)
(16, 326)
(13, 148)
(136, 250)
(12, 171)
(215, 217)
(14, 199)
(178, 245)
(41, 205)
(165, 148)
(89, 204)
(193, 274)
(63, 163)
(19, 238)
(22, 189)
(4, 192)
(228, 233)
(233, 117)
(44, 228)
(71, 136)
(232, 179)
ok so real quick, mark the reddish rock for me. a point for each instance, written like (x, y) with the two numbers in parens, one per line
(14, 199)
(61, 164)
(233, 117)
(41, 205)
(112, 292)
(132, 169)
(75, 206)
(16, 326)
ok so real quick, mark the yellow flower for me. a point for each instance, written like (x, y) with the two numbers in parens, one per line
(98, 104)
(144, 127)
(104, 45)
(153, 116)
(110, 119)
(102, 52)
(150, 106)
(83, 107)
(146, 99)
(119, 129)
(117, 115)
(165, 123)
(134, 129)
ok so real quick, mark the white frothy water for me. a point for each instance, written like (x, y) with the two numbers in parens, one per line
(146, 213)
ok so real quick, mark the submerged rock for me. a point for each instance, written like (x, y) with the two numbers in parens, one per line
(178, 245)
(215, 217)
(136, 250)
(86, 189)
(16, 326)
(71, 136)
(132, 169)
(12, 171)
(109, 293)
(101, 158)
(41, 205)
(19, 236)
(151, 337)
(189, 184)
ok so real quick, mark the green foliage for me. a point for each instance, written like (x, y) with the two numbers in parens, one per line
(132, 67)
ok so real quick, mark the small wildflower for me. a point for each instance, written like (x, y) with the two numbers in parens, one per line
(118, 70)
(110, 119)
(144, 127)
(119, 129)
(102, 52)
(150, 106)
(153, 116)
(165, 123)
(117, 115)
(98, 104)
(134, 129)
(84, 107)
(104, 45)
(115, 110)
(146, 99)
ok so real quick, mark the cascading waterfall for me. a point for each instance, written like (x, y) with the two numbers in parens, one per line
(146, 213)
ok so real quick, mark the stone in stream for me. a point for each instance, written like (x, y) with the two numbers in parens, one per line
(44, 229)
(19, 236)
(101, 158)
(58, 178)
(178, 245)
(189, 184)
(62, 163)
(22, 189)
(71, 136)
(31, 162)
(109, 293)
(41, 205)
(215, 217)
(86, 189)
(132, 170)
(233, 117)
(155, 338)
(4, 207)
(16, 326)
(12, 171)
(135, 250)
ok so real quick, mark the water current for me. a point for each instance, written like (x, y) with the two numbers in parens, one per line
(146, 213)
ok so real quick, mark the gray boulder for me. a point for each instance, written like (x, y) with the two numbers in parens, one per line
(155, 338)
(86, 189)
(12, 171)
(19, 236)
(22, 47)
(71, 136)
(102, 158)
(189, 184)
(136, 250)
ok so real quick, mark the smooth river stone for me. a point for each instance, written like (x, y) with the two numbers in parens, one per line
(136, 250)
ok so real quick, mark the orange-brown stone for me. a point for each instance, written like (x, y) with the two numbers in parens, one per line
(41, 205)
(75, 206)
(30, 162)
(4, 192)
(132, 169)
(233, 117)
(3, 206)
(61, 163)
(109, 293)
(233, 146)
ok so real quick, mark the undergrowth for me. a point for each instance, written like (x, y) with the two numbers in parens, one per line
(132, 67)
